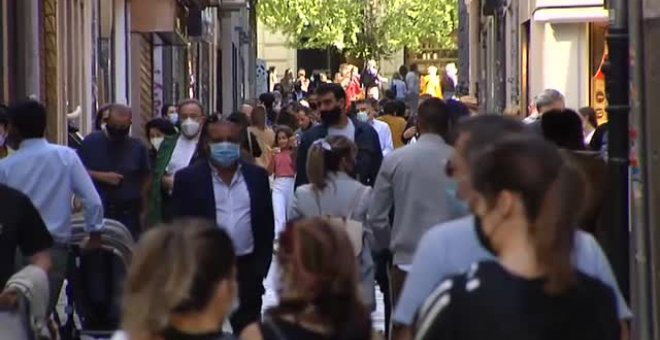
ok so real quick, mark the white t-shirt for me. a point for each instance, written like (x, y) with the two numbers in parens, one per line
(348, 131)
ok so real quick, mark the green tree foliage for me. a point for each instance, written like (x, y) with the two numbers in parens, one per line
(362, 28)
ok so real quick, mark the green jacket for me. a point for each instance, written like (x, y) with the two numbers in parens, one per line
(156, 195)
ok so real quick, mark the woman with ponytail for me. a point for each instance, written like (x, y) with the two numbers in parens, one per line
(181, 284)
(527, 199)
(333, 193)
(319, 297)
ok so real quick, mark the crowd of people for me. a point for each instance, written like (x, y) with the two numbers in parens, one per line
(472, 225)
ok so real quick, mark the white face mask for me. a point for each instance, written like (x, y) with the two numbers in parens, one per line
(363, 116)
(173, 117)
(156, 142)
(190, 128)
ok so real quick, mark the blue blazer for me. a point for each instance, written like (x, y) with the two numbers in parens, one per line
(192, 196)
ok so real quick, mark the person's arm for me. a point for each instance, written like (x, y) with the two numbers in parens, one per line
(268, 223)
(379, 213)
(34, 239)
(147, 178)
(301, 161)
(84, 189)
(377, 160)
(295, 211)
(107, 177)
(178, 197)
(427, 271)
(388, 143)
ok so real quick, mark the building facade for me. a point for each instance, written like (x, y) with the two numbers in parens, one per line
(78, 55)
(519, 48)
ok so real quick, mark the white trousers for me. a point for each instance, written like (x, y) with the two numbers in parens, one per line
(282, 197)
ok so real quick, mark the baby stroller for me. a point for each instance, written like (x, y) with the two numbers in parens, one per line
(23, 306)
(94, 281)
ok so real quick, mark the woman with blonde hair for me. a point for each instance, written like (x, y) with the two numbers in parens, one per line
(333, 192)
(319, 297)
(181, 284)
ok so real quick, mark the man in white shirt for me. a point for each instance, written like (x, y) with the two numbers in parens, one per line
(175, 153)
(236, 195)
(367, 112)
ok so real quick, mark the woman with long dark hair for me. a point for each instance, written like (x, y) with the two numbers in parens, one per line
(319, 298)
(527, 199)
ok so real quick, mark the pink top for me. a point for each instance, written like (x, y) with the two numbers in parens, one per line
(284, 166)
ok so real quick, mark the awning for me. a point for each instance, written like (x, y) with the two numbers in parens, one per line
(570, 14)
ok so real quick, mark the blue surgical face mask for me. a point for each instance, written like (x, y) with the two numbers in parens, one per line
(458, 206)
(225, 154)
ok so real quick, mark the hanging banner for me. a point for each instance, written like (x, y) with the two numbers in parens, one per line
(598, 94)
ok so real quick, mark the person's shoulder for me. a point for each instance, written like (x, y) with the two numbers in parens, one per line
(192, 170)
(94, 138)
(314, 133)
(253, 169)
(458, 228)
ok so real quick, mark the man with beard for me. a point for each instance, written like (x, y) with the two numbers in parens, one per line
(120, 168)
(331, 100)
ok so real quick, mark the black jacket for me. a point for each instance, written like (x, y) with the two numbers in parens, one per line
(192, 196)
(369, 156)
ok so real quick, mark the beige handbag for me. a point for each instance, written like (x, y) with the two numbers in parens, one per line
(353, 228)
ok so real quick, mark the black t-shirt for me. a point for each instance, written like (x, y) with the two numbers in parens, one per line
(127, 157)
(275, 328)
(488, 302)
(20, 226)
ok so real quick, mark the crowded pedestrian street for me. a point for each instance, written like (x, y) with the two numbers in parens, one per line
(331, 170)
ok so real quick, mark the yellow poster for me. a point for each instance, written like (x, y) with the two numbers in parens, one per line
(598, 94)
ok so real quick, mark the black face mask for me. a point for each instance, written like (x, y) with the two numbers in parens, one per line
(117, 132)
(329, 118)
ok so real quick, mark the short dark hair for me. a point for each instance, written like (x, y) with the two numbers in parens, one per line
(395, 108)
(433, 115)
(336, 89)
(268, 99)
(165, 109)
(28, 118)
(164, 125)
(487, 129)
(564, 128)
(414, 67)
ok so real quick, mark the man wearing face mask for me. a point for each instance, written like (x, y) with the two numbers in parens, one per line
(367, 113)
(450, 248)
(120, 168)
(236, 196)
(175, 153)
(331, 100)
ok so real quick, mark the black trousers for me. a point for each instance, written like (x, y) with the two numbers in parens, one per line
(126, 212)
(250, 292)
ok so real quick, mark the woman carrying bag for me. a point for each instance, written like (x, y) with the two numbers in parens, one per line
(339, 198)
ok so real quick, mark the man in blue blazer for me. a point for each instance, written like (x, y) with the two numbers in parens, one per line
(237, 197)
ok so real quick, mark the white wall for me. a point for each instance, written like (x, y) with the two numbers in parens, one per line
(559, 59)
(273, 48)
